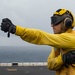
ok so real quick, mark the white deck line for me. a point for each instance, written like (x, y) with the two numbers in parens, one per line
(25, 64)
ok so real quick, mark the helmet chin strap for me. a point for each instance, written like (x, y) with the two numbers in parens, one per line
(63, 28)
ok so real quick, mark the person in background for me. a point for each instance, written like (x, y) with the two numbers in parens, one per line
(62, 56)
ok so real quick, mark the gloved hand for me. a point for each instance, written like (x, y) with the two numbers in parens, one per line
(8, 26)
(69, 58)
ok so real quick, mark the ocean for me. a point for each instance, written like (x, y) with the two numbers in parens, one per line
(9, 54)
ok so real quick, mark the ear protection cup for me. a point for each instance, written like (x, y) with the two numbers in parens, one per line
(68, 23)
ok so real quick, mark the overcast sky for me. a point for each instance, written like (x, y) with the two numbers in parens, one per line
(30, 13)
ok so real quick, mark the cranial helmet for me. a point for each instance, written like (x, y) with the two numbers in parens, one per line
(63, 15)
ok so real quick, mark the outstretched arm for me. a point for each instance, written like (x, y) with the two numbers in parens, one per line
(39, 37)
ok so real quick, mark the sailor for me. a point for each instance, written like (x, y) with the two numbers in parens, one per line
(62, 56)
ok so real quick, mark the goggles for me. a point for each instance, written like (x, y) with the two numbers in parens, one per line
(55, 20)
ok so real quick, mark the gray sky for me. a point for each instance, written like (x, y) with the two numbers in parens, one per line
(30, 13)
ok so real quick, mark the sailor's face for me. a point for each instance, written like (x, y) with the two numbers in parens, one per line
(57, 29)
